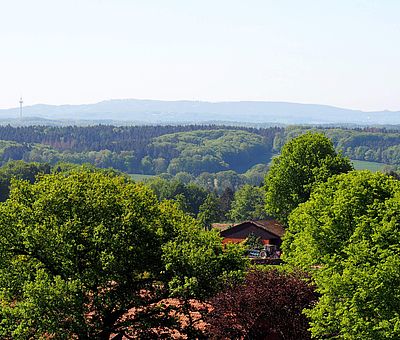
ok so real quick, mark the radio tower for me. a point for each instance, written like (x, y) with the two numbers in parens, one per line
(20, 107)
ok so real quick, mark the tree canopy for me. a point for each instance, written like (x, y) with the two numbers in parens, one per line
(78, 251)
(303, 162)
(192, 148)
(210, 150)
(210, 211)
(248, 204)
(268, 305)
(349, 231)
(20, 170)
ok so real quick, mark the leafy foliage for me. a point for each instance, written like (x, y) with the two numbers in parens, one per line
(225, 203)
(367, 144)
(78, 251)
(248, 204)
(267, 305)
(19, 170)
(304, 161)
(220, 181)
(253, 242)
(210, 150)
(350, 229)
(210, 211)
(189, 196)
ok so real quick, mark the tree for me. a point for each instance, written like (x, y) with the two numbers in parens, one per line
(147, 165)
(256, 174)
(190, 196)
(268, 305)
(303, 162)
(248, 204)
(77, 252)
(225, 202)
(253, 242)
(184, 177)
(209, 211)
(19, 170)
(349, 233)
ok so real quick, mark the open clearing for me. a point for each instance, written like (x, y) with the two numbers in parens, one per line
(365, 165)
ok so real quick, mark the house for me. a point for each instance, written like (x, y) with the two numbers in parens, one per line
(270, 232)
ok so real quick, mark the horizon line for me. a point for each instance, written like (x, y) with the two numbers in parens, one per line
(202, 101)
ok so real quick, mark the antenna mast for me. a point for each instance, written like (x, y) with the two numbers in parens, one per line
(20, 107)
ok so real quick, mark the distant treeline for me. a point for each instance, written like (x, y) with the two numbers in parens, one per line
(367, 144)
(142, 149)
(101, 137)
(193, 149)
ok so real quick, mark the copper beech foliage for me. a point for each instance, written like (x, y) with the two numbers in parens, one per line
(268, 305)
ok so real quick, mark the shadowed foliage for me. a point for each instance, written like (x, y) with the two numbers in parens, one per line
(268, 305)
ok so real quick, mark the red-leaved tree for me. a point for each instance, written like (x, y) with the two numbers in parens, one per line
(268, 305)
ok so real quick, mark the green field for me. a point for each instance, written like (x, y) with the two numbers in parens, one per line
(365, 165)
(140, 177)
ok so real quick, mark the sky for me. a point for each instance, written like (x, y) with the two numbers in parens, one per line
(344, 53)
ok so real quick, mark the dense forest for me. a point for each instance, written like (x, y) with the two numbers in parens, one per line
(213, 157)
(145, 149)
(368, 144)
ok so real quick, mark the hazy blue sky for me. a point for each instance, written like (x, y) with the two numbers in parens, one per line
(339, 52)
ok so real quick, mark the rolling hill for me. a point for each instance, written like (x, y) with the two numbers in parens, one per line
(162, 112)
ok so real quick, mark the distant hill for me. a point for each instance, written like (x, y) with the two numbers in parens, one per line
(157, 111)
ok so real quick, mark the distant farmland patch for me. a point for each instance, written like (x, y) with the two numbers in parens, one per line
(365, 165)
(140, 177)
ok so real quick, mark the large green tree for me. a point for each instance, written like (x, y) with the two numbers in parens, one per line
(78, 251)
(303, 162)
(349, 233)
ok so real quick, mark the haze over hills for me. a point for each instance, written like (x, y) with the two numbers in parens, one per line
(158, 111)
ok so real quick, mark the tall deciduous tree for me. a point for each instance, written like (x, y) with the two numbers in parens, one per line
(349, 231)
(303, 162)
(78, 251)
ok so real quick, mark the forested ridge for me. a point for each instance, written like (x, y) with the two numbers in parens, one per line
(100, 137)
(134, 149)
(369, 144)
(192, 149)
